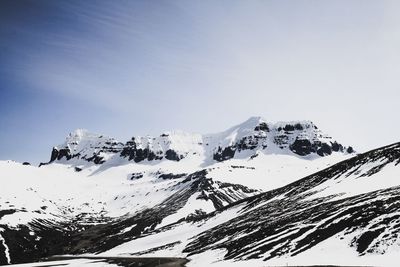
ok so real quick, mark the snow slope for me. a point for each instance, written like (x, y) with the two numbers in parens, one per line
(97, 193)
(37, 202)
(347, 214)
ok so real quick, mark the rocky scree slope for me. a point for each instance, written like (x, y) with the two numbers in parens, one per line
(355, 203)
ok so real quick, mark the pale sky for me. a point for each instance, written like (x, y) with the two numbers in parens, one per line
(125, 68)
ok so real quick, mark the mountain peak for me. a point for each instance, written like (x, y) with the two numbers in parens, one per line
(254, 120)
(297, 138)
(82, 144)
(257, 123)
(80, 134)
(252, 123)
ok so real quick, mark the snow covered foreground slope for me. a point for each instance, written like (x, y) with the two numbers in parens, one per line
(97, 194)
(347, 214)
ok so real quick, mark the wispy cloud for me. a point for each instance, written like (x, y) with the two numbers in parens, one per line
(180, 63)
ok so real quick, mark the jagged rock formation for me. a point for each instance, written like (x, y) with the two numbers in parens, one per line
(301, 138)
(86, 146)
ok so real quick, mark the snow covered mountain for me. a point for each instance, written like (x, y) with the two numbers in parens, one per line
(231, 196)
(255, 135)
(347, 214)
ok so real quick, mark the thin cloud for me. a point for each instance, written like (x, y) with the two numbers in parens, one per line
(205, 65)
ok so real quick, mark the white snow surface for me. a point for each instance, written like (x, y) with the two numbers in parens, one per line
(69, 263)
(199, 147)
(270, 171)
(61, 191)
(56, 191)
(179, 235)
(356, 182)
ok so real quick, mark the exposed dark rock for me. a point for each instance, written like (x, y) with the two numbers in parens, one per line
(169, 176)
(25, 248)
(224, 154)
(57, 154)
(129, 261)
(96, 159)
(6, 212)
(242, 167)
(196, 216)
(26, 163)
(298, 126)
(302, 147)
(77, 169)
(324, 150)
(337, 147)
(216, 191)
(262, 127)
(254, 156)
(151, 155)
(363, 241)
(195, 176)
(142, 154)
(136, 175)
(247, 143)
(54, 154)
(281, 140)
(289, 128)
(172, 155)
(3, 258)
(131, 151)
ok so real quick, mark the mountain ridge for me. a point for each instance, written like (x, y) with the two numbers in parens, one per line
(301, 138)
(342, 202)
(266, 202)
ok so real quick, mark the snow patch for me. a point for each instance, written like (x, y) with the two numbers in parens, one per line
(6, 249)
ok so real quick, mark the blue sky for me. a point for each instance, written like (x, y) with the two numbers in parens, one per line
(126, 68)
